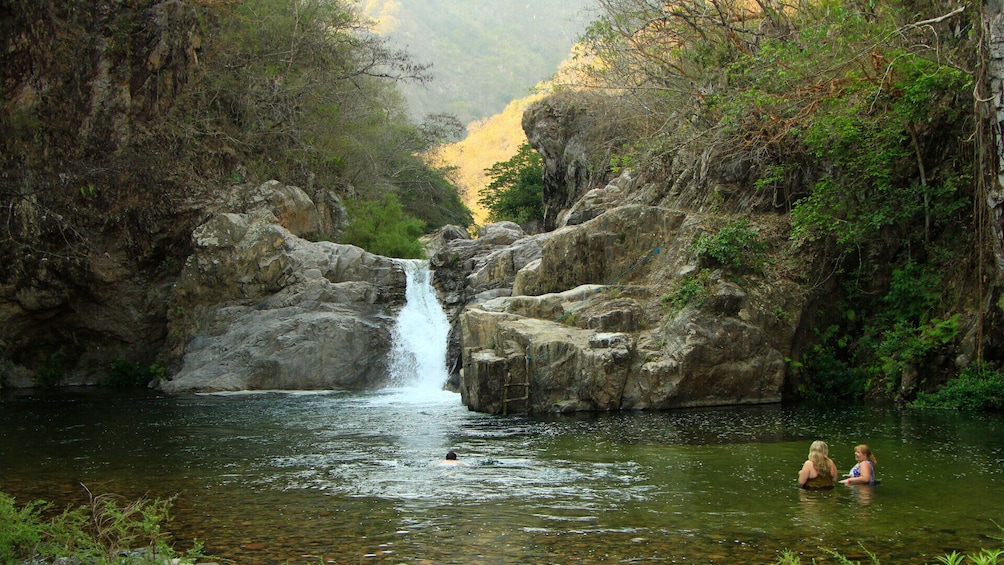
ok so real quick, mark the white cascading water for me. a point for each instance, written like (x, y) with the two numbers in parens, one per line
(418, 353)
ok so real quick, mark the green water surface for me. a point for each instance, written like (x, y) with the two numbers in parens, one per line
(352, 478)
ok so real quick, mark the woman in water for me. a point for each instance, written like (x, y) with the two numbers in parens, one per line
(863, 473)
(818, 471)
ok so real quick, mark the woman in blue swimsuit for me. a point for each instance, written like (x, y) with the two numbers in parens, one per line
(863, 473)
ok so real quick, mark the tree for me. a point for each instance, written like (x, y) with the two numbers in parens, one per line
(516, 190)
(209, 94)
(382, 227)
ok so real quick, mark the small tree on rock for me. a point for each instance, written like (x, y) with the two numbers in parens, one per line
(516, 192)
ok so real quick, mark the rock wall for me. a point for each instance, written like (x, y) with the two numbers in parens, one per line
(258, 307)
(588, 323)
(610, 341)
(95, 223)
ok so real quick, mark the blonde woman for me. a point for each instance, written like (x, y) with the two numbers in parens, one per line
(863, 472)
(818, 471)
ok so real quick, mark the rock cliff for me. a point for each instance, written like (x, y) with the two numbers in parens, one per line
(588, 325)
(582, 317)
(258, 307)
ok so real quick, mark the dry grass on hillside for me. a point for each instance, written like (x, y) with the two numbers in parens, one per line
(488, 141)
(498, 138)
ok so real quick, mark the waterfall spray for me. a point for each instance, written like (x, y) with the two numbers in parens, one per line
(418, 354)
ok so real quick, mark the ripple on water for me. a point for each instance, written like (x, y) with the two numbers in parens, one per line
(341, 475)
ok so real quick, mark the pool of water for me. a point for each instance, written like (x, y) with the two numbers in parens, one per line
(353, 477)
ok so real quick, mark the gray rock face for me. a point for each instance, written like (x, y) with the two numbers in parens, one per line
(257, 307)
(557, 128)
(609, 342)
(474, 270)
(311, 335)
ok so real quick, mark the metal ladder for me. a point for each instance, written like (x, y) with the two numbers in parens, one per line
(508, 384)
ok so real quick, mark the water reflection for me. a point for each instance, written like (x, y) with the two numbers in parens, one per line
(862, 494)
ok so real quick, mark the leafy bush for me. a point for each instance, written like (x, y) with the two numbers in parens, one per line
(904, 328)
(382, 227)
(976, 388)
(516, 190)
(122, 373)
(20, 529)
(829, 369)
(909, 344)
(691, 289)
(105, 532)
(735, 246)
(913, 293)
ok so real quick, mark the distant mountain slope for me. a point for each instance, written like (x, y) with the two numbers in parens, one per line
(493, 139)
(484, 53)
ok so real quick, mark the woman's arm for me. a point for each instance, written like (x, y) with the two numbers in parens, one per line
(864, 477)
(803, 473)
(833, 470)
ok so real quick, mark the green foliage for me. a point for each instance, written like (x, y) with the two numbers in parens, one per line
(51, 372)
(902, 330)
(736, 246)
(516, 190)
(620, 162)
(983, 557)
(430, 196)
(876, 341)
(107, 531)
(830, 372)
(913, 293)
(907, 345)
(382, 227)
(866, 136)
(20, 528)
(953, 558)
(691, 290)
(303, 90)
(122, 373)
(976, 388)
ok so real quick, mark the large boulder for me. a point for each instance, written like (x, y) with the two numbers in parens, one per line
(257, 307)
(313, 334)
(469, 270)
(588, 327)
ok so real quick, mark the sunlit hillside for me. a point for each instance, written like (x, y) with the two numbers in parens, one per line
(488, 141)
(498, 138)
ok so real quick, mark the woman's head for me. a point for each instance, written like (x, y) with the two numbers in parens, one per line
(819, 455)
(819, 447)
(865, 452)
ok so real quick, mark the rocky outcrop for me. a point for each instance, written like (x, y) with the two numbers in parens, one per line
(557, 127)
(587, 326)
(470, 271)
(257, 307)
(615, 311)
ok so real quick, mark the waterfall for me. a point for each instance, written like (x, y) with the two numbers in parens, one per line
(418, 353)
